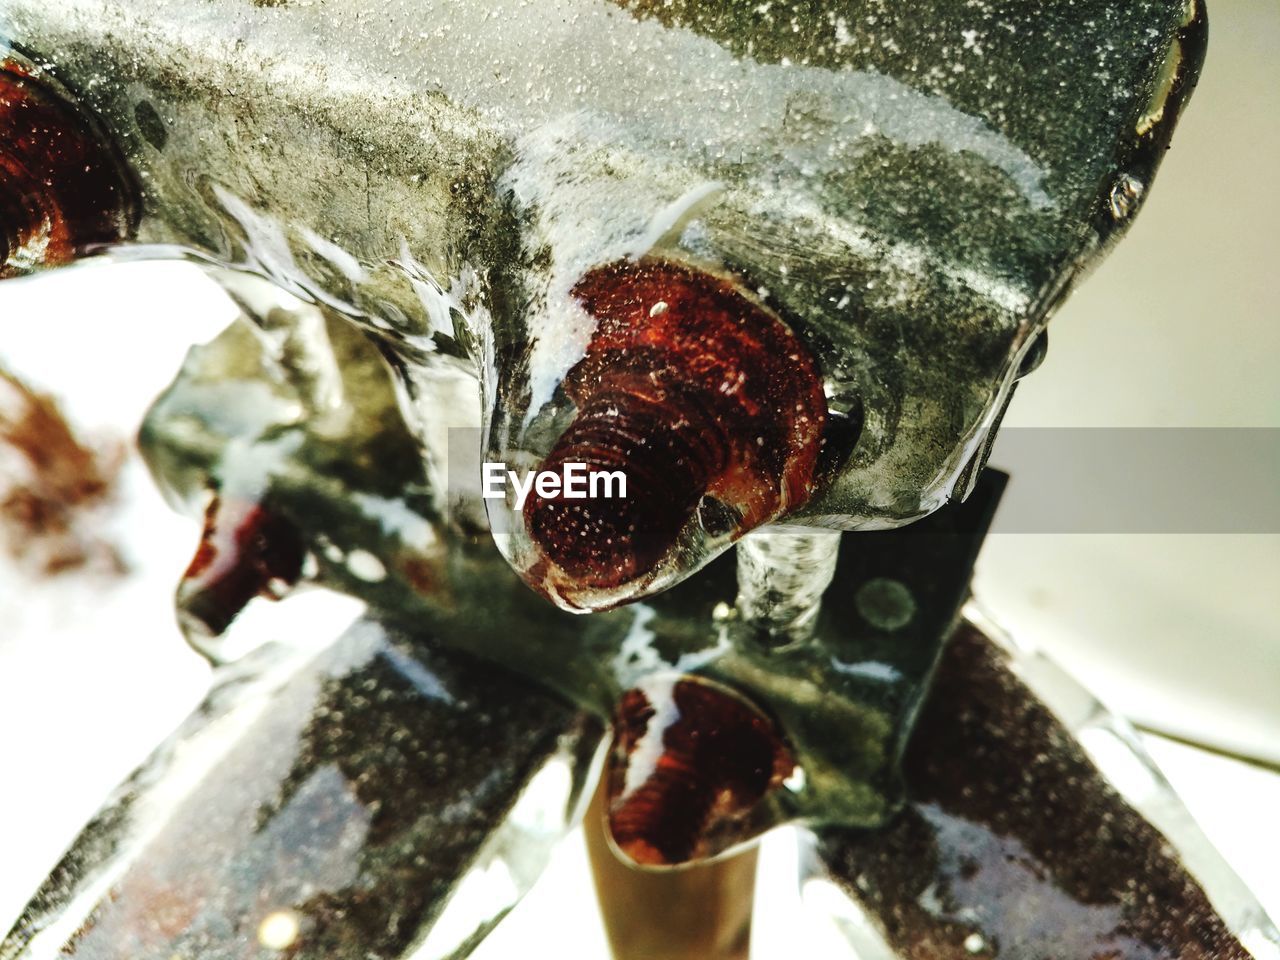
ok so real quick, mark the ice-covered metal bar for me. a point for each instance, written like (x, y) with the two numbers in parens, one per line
(804, 730)
(868, 213)
(380, 797)
(1036, 825)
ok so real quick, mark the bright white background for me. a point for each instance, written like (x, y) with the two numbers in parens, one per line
(1181, 327)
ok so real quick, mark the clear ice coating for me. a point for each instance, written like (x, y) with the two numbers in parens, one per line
(776, 262)
(355, 501)
(696, 691)
(871, 211)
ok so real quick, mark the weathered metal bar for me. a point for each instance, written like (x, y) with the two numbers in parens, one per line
(381, 797)
(1035, 826)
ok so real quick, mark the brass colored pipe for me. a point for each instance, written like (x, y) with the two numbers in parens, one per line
(694, 913)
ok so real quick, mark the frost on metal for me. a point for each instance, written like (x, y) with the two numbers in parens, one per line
(911, 190)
